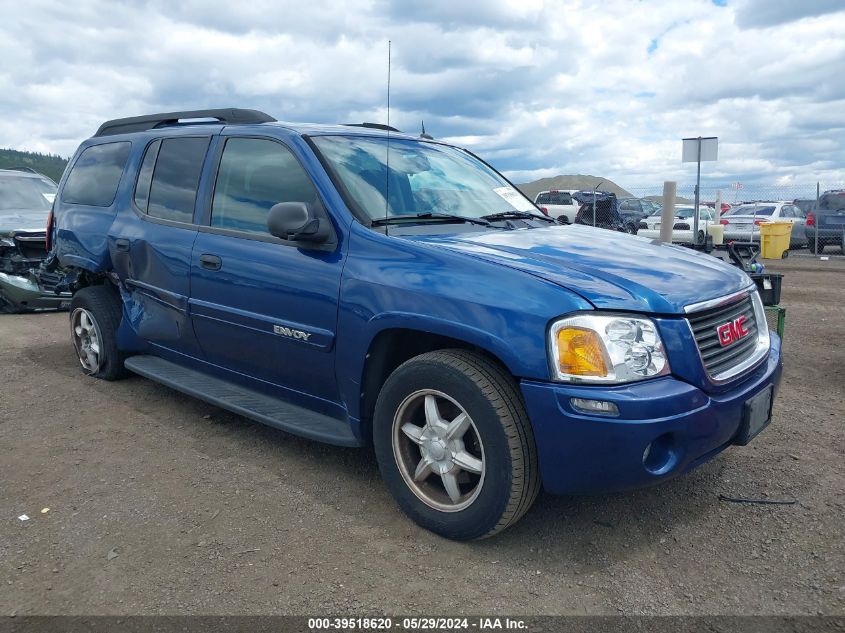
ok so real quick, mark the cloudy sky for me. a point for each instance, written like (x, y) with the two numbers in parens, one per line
(605, 87)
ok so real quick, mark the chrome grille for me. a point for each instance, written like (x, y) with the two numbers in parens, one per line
(719, 360)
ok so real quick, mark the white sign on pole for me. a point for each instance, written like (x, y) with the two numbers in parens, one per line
(709, 149)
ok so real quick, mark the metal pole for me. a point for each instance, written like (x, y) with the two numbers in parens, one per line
(816, 220)
(601, 182)
(697, 197)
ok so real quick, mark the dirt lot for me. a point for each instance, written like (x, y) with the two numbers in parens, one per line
(162, 504)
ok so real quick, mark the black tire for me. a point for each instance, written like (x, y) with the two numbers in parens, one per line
(102, 304)
(490, 397)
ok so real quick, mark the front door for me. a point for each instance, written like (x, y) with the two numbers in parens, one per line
(263, 307)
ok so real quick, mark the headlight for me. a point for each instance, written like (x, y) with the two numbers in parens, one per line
(606, 349)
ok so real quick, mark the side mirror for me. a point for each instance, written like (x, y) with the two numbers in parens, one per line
(297, 221)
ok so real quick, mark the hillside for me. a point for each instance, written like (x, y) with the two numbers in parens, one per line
(581, 182)
(47, 164)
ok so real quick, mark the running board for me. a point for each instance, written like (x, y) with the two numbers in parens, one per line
(243, 401)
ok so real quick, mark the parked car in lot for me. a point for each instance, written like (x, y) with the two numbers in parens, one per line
(828, 218)
(682, 228)
(25, 200)
(635, 209)
(558, 203)
(742, 223)
(603, 212)
(481, 347)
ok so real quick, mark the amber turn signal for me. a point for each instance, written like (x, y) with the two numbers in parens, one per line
(581, 352)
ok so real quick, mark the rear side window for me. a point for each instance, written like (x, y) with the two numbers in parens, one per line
(95, 175)
(254, 175)
(145, 176)
(173, 190)
(554, 197)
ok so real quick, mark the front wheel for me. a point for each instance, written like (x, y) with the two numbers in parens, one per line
(454, 444)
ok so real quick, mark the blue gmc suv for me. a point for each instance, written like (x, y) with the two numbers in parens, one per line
(356, 285)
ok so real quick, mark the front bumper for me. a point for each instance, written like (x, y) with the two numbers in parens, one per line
(582, 453)
(26, 294)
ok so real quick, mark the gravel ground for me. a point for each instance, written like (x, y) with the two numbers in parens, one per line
(162, 504)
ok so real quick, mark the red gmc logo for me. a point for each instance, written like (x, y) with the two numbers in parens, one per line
(732, 331)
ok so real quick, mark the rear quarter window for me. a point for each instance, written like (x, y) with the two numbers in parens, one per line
(95, 175)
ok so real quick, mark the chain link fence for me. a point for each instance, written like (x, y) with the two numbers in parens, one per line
(808, 237)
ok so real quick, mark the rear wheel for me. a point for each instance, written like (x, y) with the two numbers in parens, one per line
(454, 444)
(95, 314)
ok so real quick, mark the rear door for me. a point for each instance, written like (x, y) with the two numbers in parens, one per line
(264, 307)
(152, 244)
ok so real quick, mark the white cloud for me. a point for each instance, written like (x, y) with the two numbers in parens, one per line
(539, 88)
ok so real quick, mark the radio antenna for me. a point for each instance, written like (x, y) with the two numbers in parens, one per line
(387, 161)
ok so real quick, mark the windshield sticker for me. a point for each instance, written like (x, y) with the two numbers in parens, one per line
(514, 198)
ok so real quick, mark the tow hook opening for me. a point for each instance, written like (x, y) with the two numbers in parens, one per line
(661, 455)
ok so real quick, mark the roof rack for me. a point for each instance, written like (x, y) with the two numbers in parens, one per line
(375, 126)
(152, 121)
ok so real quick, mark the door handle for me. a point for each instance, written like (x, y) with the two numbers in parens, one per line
(210, 262)
(122, 245)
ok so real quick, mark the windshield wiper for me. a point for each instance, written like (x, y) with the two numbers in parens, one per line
(516, 215)
(428, 215)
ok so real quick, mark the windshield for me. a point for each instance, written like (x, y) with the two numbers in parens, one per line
(20, 192)
(423, 178)
(831, 201)
(750, 209)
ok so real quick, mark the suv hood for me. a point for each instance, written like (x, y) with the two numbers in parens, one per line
(613, 271)
(12, 220)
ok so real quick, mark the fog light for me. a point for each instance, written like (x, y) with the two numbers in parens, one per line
(661, 455)
(601, 407)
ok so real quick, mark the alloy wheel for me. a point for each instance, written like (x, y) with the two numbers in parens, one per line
(438, 450)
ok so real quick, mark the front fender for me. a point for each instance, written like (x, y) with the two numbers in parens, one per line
(396, 283)
(465, 332)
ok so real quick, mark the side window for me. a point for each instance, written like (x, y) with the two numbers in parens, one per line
(786, 211)
(173, 190)
(95, 175)
(145, 176)
(254, 175)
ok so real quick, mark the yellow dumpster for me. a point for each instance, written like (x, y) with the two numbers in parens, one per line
(774, 239)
